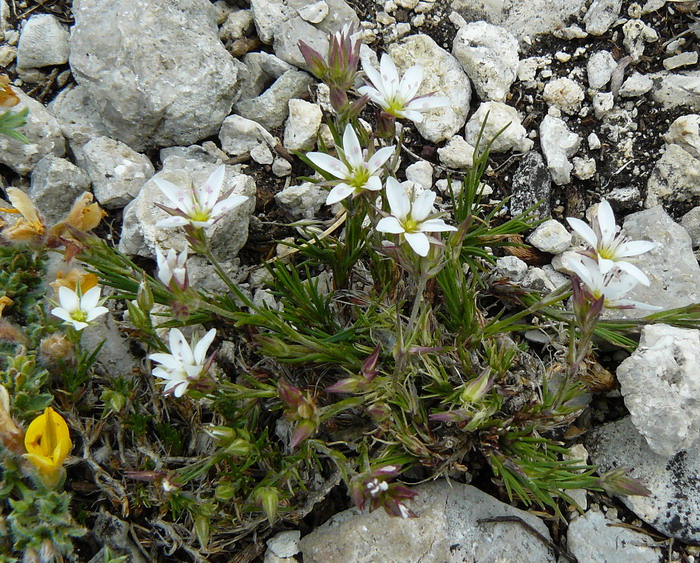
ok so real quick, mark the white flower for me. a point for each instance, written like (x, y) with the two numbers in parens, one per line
(172, 266)
(612, 285)
(185, 363)
(398, 96)
(79, 310)
(411, 217)
(356, 173)
(199, 207)
(609, 246)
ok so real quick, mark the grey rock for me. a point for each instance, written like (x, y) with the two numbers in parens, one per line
(691, 223)
(531, 183)
(603, 103)
(56, 183)
(268, 16)
(262, 154)
(594, 538)
(674, 90)
(625, 197)
(117, 172)
(193, 152)
(443, 75)
(77, 116)
(302, 201)
(236, 26)
(551, 236)
(114, 356)
(285, 544)
(156, 71)
(43, 133)
(499, 116)
(140, 234)
(685, 132)
(489, 55)
(600, 67)
(287, 36)
(584, 168)
(676, 177)
(661, 388)
(674, 505)
(564, 94)
(302, 125)
(601, 15)
(457, 153)
(339, 15)
(281, 167)
(636, 35)
(447, 530)
(559, 144)
(521, 18)
(239, 135)
(112, 532)
(314, 13)
(682, 59)
(270, 108)
(671, 265)
(511, 267)
(536, 279)
(43, 41)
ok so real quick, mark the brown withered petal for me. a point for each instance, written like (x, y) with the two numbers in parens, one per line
(8, 98)
(72, 278)
(84, 216)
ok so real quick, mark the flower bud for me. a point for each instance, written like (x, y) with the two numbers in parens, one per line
(55, 347)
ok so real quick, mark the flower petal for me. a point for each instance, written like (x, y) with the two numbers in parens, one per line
(90, 298)
(68, 299)
(339, 193)
(634, 248)
(373, 184)
(351, 147)
(634, 271)
(425, 103)
(419, 243)
(374, 78)
(177, 196)
(379, 158)
(166, 360)
(62, 314)
(226, 205)
(179, 346)
(398, 198)
(95, 313)
(390, 225)
(329, 164)
(411, 81)
(173, 221)
(606, 222)
(200, 349)
(209, 192)
(584, 231)
(423, 205)
(390, 75)
(436, 226)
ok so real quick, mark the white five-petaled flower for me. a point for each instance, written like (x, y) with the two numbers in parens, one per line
(185, 363)
(397, 96)
(79, 309)
(610, 247)
(200, 206)
(356, 173)
(411, 217)
(611, 285)
(172, 266)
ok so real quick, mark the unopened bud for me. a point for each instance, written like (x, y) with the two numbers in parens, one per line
(225, 492)
(476, 389)
(144, 297)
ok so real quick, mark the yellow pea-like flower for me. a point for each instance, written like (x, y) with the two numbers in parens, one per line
(48, 443)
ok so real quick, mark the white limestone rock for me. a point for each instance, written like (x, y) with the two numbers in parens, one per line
(285, 544)
(675, 90)
(489, 55)
(314, 13)
(559, 144)
(685, 132)
(304, 200)
(270, 108)
(156, 71)
(228, 235)
(671, 266)
(302, 125)
(236, 26)
(673, 508)
(499, 116)
(239, 135)
(117, 172)
(447, 529)
(676, 177)
(661, 389)
(421, 174)
(600, 67)
(601, 15)
(457, 153)
(680, 60)
(268, 16)
(262, 154)
(287, 36)
(594, 538)
(442, 76)
(531, 184)
(56, 183)
(511, 267)
(691, 223)
(584, 168)
(603, 103)
(564, 94)
(636, 35)
(636, 85)
(42, 131)
(43, 41)
(551, 236)
(522, 19)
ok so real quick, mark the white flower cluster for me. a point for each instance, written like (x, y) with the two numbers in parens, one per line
(603, 267)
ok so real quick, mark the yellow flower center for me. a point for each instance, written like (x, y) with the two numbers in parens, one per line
(410, 225)
(79, 316)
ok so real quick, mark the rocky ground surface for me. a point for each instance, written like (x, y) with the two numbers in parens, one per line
(602, 98)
